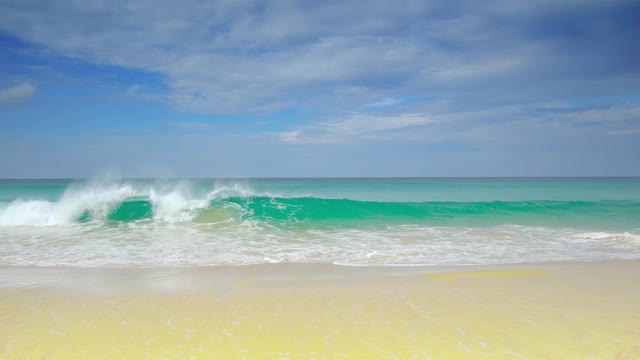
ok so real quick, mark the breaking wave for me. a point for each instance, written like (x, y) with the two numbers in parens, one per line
(137, 224)
(127, 203)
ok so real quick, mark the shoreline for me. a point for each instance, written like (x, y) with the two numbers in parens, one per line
(276, 311)
(118, 279)
(212, 279)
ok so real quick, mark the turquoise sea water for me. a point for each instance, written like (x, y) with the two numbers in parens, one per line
(105, 222)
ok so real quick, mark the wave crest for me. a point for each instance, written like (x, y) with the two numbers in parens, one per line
(101, 201)
(180, 203)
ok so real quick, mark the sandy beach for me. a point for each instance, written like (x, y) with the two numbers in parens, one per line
(287, 311)
(319, 180)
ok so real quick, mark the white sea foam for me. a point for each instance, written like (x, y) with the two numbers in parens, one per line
(240, 242)
(46, 233)
(34, 212)
(96, 200)
(623, 238)
(175, 203)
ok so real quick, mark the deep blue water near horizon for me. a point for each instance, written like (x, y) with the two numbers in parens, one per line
(351, 221)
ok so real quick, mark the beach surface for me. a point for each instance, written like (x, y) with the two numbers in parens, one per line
(303, 311)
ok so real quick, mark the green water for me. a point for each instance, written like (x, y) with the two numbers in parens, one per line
(603, 202)
(310, 211)
(236, 221)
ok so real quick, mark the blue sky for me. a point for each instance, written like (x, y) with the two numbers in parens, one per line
(307, 88)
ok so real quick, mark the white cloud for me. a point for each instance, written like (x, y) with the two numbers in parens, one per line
(351, 128)
(609, 115)
(245, 56)
(385, 102)
(239, 57)
(18, 93)
(200, 126)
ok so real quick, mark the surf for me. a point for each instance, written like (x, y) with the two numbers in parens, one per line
(129, 223)
(126, 203)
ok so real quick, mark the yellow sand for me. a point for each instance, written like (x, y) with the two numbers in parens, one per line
(562, 311)
(506, 274)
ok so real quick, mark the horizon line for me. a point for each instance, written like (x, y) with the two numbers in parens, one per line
(326, 177)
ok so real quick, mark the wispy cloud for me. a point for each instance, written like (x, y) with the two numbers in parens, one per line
(392, 102)
(500, 126)
(17, 94)
(375, 87)
(199, 126)
(351, 128)
(242, 56)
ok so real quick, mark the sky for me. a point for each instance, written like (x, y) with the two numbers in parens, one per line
(371, 88)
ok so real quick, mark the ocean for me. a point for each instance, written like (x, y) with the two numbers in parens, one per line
(357, 222)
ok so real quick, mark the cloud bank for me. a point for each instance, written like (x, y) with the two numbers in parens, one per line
(229, 57)
(358, 88)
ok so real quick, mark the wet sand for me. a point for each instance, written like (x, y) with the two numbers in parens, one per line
(286, 311)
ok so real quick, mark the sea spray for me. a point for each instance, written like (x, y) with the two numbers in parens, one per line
(189, 223)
